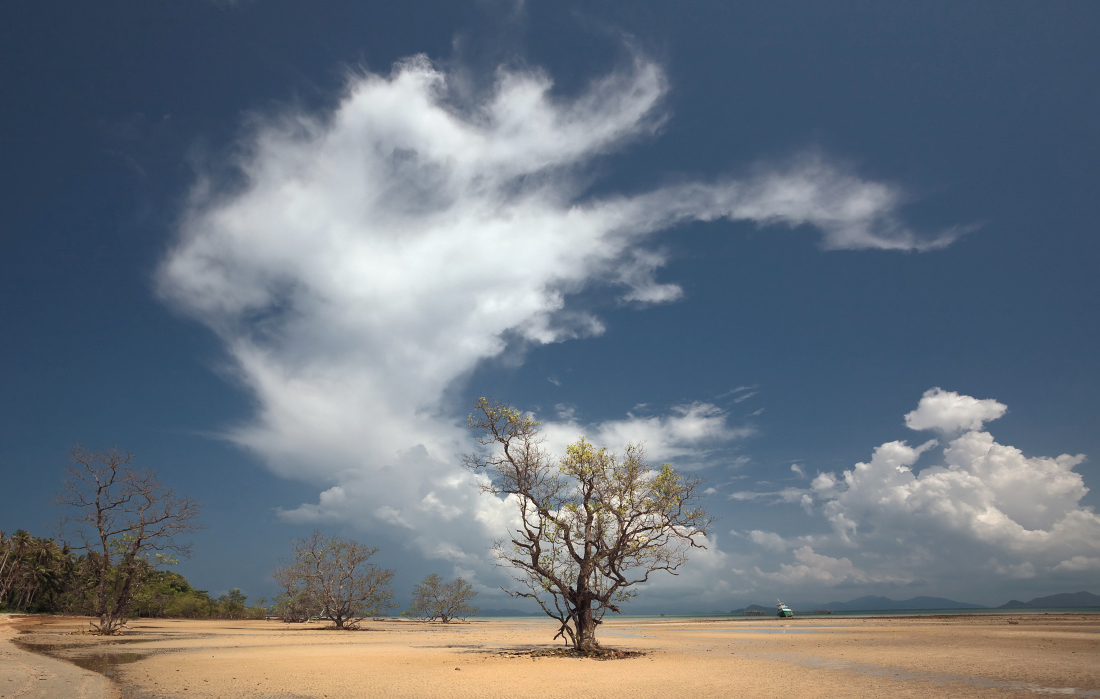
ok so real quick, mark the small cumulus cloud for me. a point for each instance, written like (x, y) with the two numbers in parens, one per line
(815, 569)
(948, 411)
(768, 540)
(1079, 563)
(567, 413)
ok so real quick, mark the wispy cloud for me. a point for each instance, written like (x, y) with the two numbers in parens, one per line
(771, 496)
(687, 435)
(739, 389)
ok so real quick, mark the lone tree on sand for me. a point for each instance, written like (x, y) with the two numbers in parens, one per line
(127, 522)
(592, 525)
(332, 576)
(434, 599)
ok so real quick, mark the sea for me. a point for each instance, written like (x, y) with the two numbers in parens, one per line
(880, 613)
(837, 615)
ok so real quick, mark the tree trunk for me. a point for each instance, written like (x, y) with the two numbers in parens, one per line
(106, 625)
(586, 627)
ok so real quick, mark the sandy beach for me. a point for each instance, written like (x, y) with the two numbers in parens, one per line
(977, 656)
(30, 675)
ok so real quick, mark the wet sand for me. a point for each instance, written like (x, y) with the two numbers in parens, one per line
(34, 676)
(974, 656)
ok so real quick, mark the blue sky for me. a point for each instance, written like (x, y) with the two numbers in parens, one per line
(277, 248)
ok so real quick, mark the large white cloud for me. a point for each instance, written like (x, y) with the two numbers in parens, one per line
(368, 258)
(981, 511)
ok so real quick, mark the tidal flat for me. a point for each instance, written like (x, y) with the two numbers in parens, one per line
(974, 656)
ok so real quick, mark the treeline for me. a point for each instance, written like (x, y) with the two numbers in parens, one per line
(129, 526)
(329, 578)
(39, 575)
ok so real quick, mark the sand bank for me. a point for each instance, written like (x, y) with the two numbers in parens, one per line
(1005, 656)
(29, 675)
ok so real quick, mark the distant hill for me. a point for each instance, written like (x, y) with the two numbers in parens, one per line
(871, 603)
(753, 608)
(1064, 599)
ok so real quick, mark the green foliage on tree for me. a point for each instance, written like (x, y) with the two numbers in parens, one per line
(38, 575)
(593, 523)
(35, 573)
(434, 599)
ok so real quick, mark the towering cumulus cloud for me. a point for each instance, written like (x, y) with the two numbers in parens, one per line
(369, 257)
(977, 511)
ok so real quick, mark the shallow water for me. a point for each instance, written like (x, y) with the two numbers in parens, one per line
(105, 663)
(937, 678)
(791, 630)
(870, 613)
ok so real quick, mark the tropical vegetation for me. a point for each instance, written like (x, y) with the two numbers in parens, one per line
(40, 575)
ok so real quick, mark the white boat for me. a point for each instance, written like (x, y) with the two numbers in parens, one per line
(782, 609)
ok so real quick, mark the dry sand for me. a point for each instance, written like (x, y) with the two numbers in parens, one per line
(973, 656)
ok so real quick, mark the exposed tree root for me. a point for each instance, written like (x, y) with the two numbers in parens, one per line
(594, 654)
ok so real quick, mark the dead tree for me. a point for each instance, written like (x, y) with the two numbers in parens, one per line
(332, 576)
(127, 521)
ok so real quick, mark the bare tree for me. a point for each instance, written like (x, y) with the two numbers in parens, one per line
(296, 603)
(330, 576)
(127, 521)
(592, 525)
(434, 599)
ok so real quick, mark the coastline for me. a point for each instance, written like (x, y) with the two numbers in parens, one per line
(876, 613)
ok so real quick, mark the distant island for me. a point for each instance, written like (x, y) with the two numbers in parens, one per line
(872, 603)
(1064, 599)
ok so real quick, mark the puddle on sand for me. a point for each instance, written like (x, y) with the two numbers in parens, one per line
(935, 678)
(107, 664)
(780, 630)
(103, 663)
